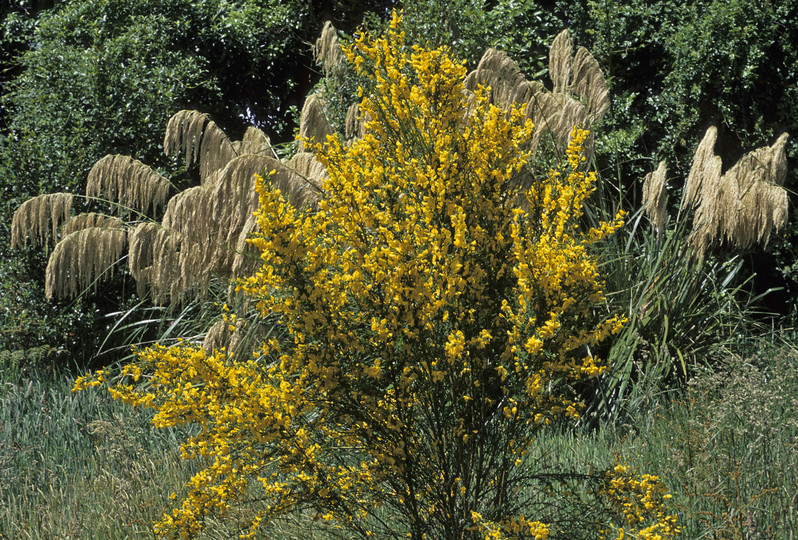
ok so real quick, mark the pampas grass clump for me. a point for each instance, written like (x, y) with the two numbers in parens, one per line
(204, 228)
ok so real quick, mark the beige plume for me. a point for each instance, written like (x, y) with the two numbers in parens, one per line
(503, 77)
(313, 124)
(154, 262)
(89, 220)
(39, 218)
(209, 224)
(189, 220)
(166, 279)
(702, 181)
(129, 182)
(655, 198)
(327, 50)
(255, 141)
(141, 241)
(81, 259)
(200, 139)
(589, 84)
(761, 201)
(217, 336)
(234, 200)
(561, 62)
(354, 124)
(204, 229)
(579, 96)
(300, 182)
(247, 258)
(743, 206)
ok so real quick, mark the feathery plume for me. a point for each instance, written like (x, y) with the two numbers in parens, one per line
(230, 337)
(216, 337)
(300, 183)
(579, 96)
(655, 198)
(190, 221)
(561, 62)
(742, 207)
(255, 141)
(190, 214)
(88, 220)
(39, 218)
(761, 203)
(165, 277)
(589, 84)
(81, 259)
(141, 242)
(127, 181)
(327, 51)
(555, 116)
(698, 177)
(313, 124)
(233, 201)
(354, 123)
(703, 191)
(247, 257)
(304, 186)
(212, 221)
(502, 75)
(200, 139)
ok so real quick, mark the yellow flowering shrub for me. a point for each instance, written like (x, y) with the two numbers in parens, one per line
(640, 500)
(435, 314)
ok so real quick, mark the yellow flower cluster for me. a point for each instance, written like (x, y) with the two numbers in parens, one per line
(436, 310)
(641, 501)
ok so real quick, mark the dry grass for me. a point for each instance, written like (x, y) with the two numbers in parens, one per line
(204, 228)
(200, 140)
(89, 220)
(327, 50)
(354, 123)
(561, 62)
(502, 74)
(579, 96)
(255, 141)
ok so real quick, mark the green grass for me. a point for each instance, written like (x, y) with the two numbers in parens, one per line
(79, 465)
(83, 466)
(727, 447)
